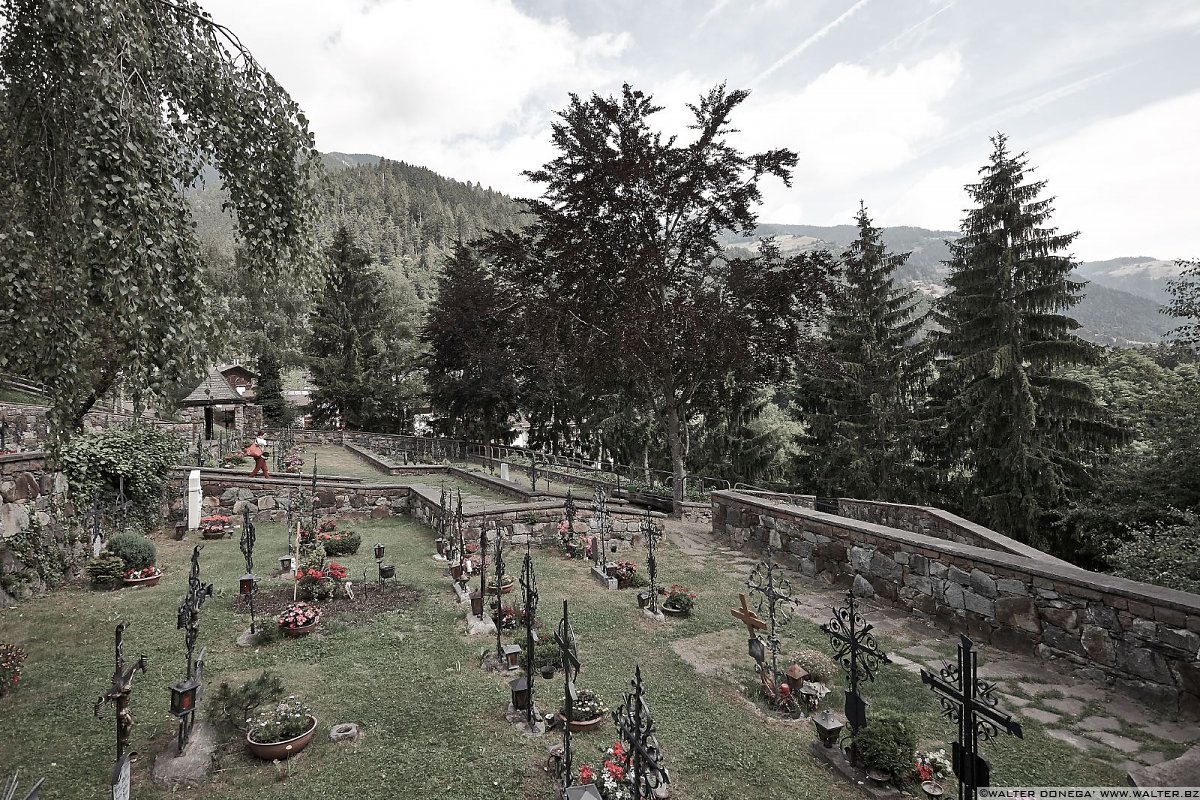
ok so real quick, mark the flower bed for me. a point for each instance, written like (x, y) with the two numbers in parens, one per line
(611, 780)
(586, 712)
(340, 543)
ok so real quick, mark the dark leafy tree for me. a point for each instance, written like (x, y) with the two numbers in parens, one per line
(626, 239)
(1021, 434)
(470, 360)
(108, 110)
(1185, 301)
(277, 411)
(864, 406)
(361, 360)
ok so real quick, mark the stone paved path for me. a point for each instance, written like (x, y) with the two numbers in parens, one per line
(1084, 714)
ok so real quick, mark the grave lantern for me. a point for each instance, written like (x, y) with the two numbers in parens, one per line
(828, 726)
(379, 552)
(512, 656)
(477, 604)
(587, 791)
(183, 697)
(520, 692)
(247, 583)
(441, 546)
(795, 675)
(758, 650)
(285, 562)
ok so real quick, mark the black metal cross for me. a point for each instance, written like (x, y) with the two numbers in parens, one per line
(97, 533)
(499, 565)
(118, 693)
(601, 524)
(483, 544)
(564, 636)
(775, 594)
(855, 648)
(635, 726)
(533, 472)
(529, 589)
(247, 547)
(189, 622)
(569, 511)
(651, 534)
(971, 702)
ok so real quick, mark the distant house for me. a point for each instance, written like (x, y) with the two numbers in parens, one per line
(241, 378)
(222, 402)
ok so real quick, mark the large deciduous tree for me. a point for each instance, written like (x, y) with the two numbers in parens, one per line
(626, 244)
(109, 110)
(864, 407)
(1185, 301)
(1021, 432)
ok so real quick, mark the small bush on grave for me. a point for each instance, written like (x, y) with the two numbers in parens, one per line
(818, 665)
(587, 707)
(546, 653)
(135, 550)
(340, 543)
(233, 708)
(11, 660)
(887, 744)
(106, 571)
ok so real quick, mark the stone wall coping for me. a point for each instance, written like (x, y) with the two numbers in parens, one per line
(28, 455)
(1053, 570)
(1001, 541)
(271, 483)
(236, 473)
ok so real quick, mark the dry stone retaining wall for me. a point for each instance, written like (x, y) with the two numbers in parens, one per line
(1142, 638)
(36, 523)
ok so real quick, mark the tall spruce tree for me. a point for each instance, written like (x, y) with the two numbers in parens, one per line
(277, 412)
(865, 404)
(1021, 434)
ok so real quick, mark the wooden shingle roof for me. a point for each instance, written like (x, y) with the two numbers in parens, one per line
(214, 390)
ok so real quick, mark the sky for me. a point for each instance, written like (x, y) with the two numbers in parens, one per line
(888, 102)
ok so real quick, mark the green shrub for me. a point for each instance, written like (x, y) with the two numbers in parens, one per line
(545, 653)
(233, 708)
(341, 543)
(818, 665)
(139, 458)
(887, 744)
(106, 571)
(135, 550)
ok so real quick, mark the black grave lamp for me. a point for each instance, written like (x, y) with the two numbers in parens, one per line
(183, 697)
(285, 562)
(828, 726)
(247, 583)
(520, 692)
(379, 551)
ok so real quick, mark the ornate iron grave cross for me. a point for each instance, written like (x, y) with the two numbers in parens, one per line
(651, 535)
(186, 693)
(569, 511)
(854, 647)
(775, 595)
(971, 702)
(600, 524)
(564, 636)
(529, 589)
(118, 693)
(533, 473)
(499, 566)
(248, 585)
(636, 727)
(483, 545)
(443, 520)
(120, 506)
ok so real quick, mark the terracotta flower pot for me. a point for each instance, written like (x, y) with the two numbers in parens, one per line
(303, 630)
(274, 750)
(505, 587)
(151, 581)
(672, 611)
(580, 726)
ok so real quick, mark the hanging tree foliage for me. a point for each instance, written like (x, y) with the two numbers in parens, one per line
(109, 109)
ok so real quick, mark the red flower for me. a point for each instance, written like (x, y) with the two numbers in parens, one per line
(586, 775)
(924, 773)
(615, 770)
(618, 751)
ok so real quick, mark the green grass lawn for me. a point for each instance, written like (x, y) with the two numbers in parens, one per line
(433, 721)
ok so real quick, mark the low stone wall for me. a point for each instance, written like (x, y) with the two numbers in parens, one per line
(270, 499)
(1142, 638)
(39, 537)
(29, 431)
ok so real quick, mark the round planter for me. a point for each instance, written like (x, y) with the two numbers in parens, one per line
(578, 726)
(151, 581)
(214, 534)
(505, 587)
(932, 789)
(277, 750)
(672, 611)
(878, 778)
(303, 630)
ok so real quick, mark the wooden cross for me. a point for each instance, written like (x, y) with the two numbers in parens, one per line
(747, 617)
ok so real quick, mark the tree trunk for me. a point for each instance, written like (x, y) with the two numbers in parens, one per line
(675, 436)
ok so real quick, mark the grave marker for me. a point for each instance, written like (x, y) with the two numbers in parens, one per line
(248, 585)
(186, 693)
(530, 599)
(118, 698)
(194, 498)
(651, 535)
(564, 636)
(855, 648)
(775, 594)
(635, 726)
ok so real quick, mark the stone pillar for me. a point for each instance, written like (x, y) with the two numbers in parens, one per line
(193, 500)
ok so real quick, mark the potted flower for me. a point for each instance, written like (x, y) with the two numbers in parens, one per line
(679, 601)
(623, 571)
(506, 617)
(146, 576)
(282, 732)
(299, 619)
(611, 780)
(504, 587)
(215, 526)
(931, 768)
(587, 712)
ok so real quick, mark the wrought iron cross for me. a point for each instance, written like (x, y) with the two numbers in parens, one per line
(775, 595)
(600, 506)
(569, 511)
(855, 648)
(533, 475)
(118, 693)
(564, 636)
(97, 533)
(499, 565)
(483, 545)
(970, 701)
(247, 546)
(651, 534)
(188, 620)
(635, 726)
(529, 589)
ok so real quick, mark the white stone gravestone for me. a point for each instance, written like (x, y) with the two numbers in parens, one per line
(503, 471)
(193, 499)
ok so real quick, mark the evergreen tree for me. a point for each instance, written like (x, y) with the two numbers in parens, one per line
(1185, 301)
(359, 380)
(1021, 433)
(865, 402)
(277, 411)
(470, 363)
